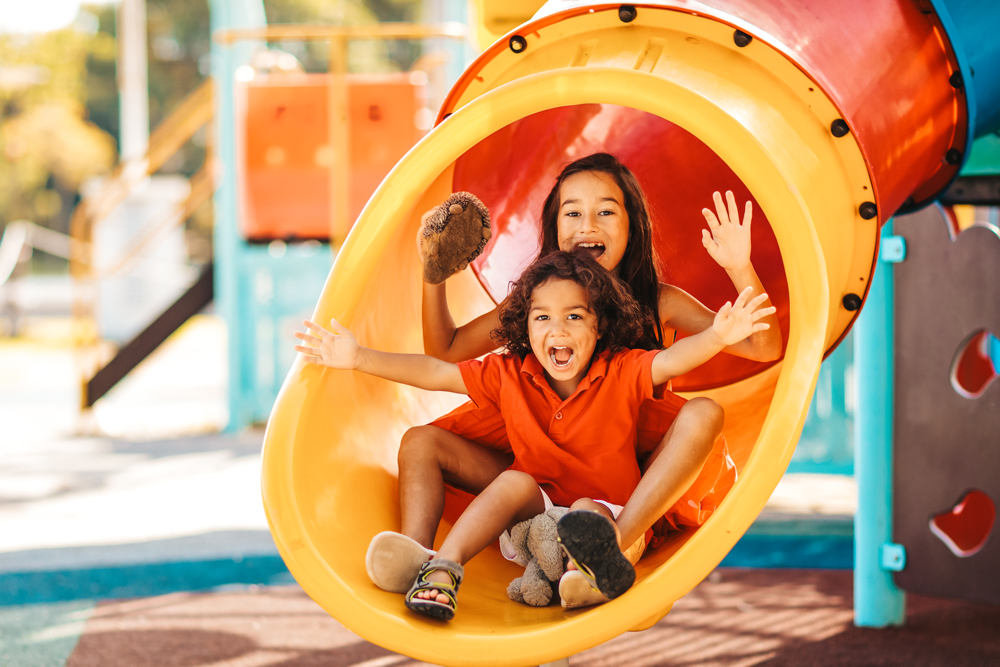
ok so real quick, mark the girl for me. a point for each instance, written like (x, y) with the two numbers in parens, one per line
(598, 205)
(570, 393)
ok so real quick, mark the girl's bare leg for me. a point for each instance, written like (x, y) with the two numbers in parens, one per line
(429, 458)
(672, 467)
(512, 497)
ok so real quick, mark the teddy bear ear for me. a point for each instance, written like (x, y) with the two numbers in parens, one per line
(455, 209)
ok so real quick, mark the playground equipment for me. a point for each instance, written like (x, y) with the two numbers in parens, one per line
(267, 281)
(289, 161)
(807, 110)
(946, 435)
(263, 290)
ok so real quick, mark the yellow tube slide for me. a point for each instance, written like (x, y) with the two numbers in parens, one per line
(329, 470)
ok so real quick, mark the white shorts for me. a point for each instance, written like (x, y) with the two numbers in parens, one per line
(508, 551)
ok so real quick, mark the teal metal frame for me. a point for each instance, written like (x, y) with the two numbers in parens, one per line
(877, 600)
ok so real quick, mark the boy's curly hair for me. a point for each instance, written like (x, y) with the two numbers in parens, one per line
(619, 318)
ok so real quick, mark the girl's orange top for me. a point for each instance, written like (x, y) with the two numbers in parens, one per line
(583, 447)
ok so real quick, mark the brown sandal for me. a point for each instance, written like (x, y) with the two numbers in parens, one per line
(443, 610)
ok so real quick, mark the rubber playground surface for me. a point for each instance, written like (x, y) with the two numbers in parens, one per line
(736, 618)
(144, 544)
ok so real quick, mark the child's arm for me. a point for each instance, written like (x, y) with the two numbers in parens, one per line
(728, 243)
(734, 322)
(339, 349)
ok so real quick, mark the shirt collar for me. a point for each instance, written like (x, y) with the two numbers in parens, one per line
(598, 369)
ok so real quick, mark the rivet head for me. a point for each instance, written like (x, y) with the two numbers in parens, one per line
(953, 156)
(838, 128)
(741, 38)
(851, 302)
(868, 210)
(627, 13)
(956, 79)
(517, 43)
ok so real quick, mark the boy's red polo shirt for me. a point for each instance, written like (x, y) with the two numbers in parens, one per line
(583, 447)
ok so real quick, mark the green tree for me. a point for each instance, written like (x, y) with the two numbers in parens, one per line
(48, 147)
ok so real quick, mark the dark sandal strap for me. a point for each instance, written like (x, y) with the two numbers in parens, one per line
(432, 607)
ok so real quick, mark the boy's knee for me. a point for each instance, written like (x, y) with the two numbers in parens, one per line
(583, 504)
(418, 442)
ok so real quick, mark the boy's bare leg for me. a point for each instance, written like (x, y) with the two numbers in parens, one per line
(672, 467)
(594, 506)
(430, 457)
(513, 497)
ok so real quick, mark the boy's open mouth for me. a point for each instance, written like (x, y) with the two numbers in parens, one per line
(594, 249)
(560, 356)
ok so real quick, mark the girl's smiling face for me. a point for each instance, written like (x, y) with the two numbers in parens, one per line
(592, 216)
(563, 333)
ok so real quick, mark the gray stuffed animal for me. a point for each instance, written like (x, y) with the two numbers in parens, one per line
(535, 540)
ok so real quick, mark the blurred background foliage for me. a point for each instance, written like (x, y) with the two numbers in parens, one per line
(59, 95)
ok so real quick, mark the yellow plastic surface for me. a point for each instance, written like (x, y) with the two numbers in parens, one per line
(494, 18)
(329, 467)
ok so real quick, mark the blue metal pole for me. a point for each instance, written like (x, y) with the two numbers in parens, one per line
(877, 601)
(225, 61)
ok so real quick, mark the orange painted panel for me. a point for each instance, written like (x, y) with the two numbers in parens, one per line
(285, 154)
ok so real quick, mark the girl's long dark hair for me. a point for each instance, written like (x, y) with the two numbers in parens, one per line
(638, 267)
(618, 315)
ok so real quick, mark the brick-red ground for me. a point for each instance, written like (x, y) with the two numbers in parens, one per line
(736, 618)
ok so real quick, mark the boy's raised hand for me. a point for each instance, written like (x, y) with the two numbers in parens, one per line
(336, 349)
(737, 320)
(726, 240)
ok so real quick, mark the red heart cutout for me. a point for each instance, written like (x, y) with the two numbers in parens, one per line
(975, 365)
(966, 527)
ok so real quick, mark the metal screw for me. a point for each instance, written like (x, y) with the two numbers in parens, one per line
(868, 210)
(953, 156)
(741, 38)
(851, 302)
(627, 13)
(838, 128)
(517, 44)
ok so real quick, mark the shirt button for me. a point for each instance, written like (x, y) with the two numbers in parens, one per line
(558, 415)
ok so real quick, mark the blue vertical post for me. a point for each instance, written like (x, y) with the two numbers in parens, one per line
(225, 60)
(877, 600)
(460, 53)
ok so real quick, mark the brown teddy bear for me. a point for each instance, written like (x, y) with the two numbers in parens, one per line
(535, 540)
(452, 235)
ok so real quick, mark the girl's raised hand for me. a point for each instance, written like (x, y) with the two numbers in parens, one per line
(336, 349)
(727, 241)
(737, 320)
